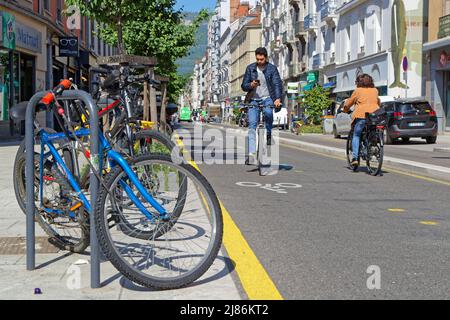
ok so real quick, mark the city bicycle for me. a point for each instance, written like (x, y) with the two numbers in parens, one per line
(262, 148)
(371, 147)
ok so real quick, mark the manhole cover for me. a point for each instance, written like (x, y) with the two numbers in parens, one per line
(17, 245)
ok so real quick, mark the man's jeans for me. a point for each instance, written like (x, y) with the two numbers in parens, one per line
(253, 119)
(357, 131)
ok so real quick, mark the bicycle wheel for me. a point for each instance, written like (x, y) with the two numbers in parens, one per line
(151, 141)
(375, 154)
(179, 252)
(349, 152)
(68, 230)
(261, 151)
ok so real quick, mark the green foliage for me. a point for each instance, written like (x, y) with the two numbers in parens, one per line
(150, 28)
(315, 102)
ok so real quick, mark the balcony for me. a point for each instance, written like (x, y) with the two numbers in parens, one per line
(299, 28)
(311, 22)
(294, 70)
(331, 58)
(266, 22)
(328, 11)
(318, 60)
(362, 52)
(275, 14)
(274, 46)
(444, 26)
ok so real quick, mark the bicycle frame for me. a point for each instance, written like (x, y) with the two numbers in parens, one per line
(114, 159)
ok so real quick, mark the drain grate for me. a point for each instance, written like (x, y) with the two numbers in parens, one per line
(17, 245)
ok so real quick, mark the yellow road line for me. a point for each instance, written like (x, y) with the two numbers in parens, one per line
(429, 223)
(389, 168)
(254, 278)
(396, 210)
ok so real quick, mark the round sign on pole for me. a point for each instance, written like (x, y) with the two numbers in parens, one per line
(405, 64)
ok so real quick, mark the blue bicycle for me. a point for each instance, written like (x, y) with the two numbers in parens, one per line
(139, 225)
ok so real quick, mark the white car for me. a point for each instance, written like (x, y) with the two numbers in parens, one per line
(343, 121)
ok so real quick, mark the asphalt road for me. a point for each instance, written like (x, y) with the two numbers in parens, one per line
(317, 241)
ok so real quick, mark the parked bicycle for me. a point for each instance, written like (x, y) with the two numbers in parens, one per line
(159, 222)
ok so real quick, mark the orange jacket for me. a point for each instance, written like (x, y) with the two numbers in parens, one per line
(365, 100)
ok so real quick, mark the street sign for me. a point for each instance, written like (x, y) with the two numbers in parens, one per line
(292, 87)
(405, 64)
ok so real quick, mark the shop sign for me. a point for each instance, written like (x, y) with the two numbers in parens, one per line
(444, 58)
(8, 35)
(68, 47)
(292, 87)
(28, 38)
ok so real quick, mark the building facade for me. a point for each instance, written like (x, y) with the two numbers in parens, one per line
(30, 57)
(383, 38)
(245, 40)
(437, 54)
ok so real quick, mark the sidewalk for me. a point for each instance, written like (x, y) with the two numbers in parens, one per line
(416, 157)
(56, 270)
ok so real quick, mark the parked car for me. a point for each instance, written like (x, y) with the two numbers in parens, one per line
(281, 119)
(343, 121)
(410, 118)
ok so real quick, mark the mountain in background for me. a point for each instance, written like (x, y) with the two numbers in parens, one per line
(186, 64)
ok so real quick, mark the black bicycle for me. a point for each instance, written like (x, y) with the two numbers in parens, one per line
(371, 148)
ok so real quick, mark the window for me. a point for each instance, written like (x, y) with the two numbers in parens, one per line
(59, 10)
(361, 36)
(47, 5)
(347, 43)
(446, 9)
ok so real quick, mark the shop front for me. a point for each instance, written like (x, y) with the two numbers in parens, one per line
(22, 66)
(438, 89)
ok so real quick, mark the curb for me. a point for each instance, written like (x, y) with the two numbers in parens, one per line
(412, 167)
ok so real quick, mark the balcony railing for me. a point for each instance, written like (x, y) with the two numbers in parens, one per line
(311, 21)
(328, 9)
(294, 70)
(318, 60)
(275, 13)
(299, 28)
(444, 26)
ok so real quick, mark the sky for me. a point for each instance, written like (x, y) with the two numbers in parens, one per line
(195, 5)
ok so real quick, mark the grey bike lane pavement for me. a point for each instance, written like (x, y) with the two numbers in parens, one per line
(62, 275)
(324, 239)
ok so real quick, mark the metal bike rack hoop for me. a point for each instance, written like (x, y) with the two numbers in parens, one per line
(30, 174)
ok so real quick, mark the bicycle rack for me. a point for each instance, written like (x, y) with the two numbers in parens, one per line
(29, 170)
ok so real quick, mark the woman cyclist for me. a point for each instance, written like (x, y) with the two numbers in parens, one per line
(365, 98)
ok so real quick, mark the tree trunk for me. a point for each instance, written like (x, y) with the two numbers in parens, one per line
(163, 107)
(146, 115)
(153, 107)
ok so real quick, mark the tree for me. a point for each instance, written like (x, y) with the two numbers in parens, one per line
(147, 28)
(315, 102)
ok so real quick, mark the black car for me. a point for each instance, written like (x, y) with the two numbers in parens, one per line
(410, 118)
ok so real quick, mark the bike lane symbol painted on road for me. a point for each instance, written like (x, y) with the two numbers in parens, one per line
(277, 187)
